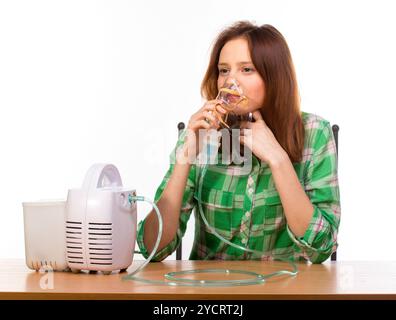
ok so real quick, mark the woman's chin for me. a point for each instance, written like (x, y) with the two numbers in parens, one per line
(240, 112)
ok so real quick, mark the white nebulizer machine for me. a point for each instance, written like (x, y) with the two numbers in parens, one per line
(95, 229)
(100, 222)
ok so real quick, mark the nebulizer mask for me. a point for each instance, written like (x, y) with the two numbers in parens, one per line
(233, 100)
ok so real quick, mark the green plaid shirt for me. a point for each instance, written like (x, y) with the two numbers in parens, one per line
(245, 208)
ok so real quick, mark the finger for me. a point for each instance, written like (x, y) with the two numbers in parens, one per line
(206, 121)
(210, 116)
(257, 115)
(202, 124)
(219, 108)
(213, 121)
(208, 106)
(213, 102)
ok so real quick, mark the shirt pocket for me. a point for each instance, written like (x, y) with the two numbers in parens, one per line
(217, 207)
(269, 211)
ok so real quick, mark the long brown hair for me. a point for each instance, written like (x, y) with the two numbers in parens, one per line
(272, 59)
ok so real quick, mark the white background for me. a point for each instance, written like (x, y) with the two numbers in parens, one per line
(107, 81)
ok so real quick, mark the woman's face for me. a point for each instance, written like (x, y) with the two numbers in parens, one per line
(235, 63)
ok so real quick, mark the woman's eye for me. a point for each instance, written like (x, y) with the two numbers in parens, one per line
(247, 69)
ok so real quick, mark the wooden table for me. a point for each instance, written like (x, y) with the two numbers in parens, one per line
(331, 280)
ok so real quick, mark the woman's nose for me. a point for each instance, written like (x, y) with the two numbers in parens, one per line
(229, 81)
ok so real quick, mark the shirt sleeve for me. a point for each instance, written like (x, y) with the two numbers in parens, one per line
(188, 204)
(321, 185)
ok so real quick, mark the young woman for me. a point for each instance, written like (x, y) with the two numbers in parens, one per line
(287, 204)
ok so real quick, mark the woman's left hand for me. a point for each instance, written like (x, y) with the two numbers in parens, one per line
(258, 137)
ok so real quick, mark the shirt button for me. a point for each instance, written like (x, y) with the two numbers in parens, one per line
(247, 214)
(244, 240)
(250, 190)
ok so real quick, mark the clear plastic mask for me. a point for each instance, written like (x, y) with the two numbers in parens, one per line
(232, 97)
(234, 101)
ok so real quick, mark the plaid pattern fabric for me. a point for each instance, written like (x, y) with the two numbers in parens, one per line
(245, 208)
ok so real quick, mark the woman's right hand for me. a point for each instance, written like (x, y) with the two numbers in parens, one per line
(203, 119)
